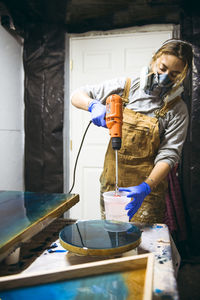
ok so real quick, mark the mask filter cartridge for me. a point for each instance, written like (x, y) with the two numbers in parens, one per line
(164, 80)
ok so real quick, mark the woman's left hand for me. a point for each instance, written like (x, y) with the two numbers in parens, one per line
(138, 193)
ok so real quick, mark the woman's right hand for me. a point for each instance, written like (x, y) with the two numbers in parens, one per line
(98, 112)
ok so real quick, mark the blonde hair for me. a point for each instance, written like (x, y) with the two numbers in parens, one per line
(181, 50)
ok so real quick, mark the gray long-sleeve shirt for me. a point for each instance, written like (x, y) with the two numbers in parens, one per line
(172, 127)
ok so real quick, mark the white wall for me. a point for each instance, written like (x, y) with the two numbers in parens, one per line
(11, 113)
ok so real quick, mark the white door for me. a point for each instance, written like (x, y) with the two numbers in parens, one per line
(95, 59)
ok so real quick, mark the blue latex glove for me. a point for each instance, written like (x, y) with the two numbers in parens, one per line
(138, 193)
(98, 112)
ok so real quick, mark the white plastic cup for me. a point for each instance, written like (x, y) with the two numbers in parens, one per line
(115, 206)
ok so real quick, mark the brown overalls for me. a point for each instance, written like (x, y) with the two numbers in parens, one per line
(140, 143)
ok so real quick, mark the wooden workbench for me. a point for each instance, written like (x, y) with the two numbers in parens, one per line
(155, 239)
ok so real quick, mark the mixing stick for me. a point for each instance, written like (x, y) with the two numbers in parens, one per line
(116, 170)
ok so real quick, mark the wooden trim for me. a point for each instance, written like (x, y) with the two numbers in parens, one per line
(99, 252)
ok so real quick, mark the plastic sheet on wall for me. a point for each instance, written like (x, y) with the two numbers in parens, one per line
(43, 56)
(190, 30)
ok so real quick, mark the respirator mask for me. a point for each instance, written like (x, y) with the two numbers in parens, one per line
(158, 84)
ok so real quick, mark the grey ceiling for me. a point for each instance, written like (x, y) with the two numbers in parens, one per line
(84, 15)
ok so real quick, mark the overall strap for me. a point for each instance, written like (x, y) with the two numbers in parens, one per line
(127, 86)
(126, 91)
(166, 107)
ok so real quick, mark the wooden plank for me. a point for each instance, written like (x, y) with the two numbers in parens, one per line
(149, 277)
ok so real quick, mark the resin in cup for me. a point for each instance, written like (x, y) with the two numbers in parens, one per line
(115, 206)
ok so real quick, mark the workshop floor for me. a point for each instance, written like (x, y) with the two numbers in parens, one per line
(188, 281)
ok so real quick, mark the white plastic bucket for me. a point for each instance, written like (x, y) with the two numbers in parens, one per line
(115, 206)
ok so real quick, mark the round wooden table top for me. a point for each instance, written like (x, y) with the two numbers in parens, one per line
(100, 237)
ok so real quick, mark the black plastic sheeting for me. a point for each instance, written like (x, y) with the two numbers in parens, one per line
(190, 31)
(44, 55)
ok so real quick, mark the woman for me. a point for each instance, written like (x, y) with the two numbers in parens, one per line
(155, 121)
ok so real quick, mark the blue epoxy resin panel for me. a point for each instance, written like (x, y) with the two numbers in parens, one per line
(99, 235)
(102, 287)
(20, 210)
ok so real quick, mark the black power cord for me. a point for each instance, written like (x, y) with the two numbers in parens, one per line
(74, 173)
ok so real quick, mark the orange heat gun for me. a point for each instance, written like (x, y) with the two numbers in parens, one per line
(114, 117)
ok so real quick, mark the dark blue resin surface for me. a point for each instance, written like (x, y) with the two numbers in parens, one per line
(100, 234)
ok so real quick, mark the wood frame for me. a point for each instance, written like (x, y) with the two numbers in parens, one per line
(130, 263)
